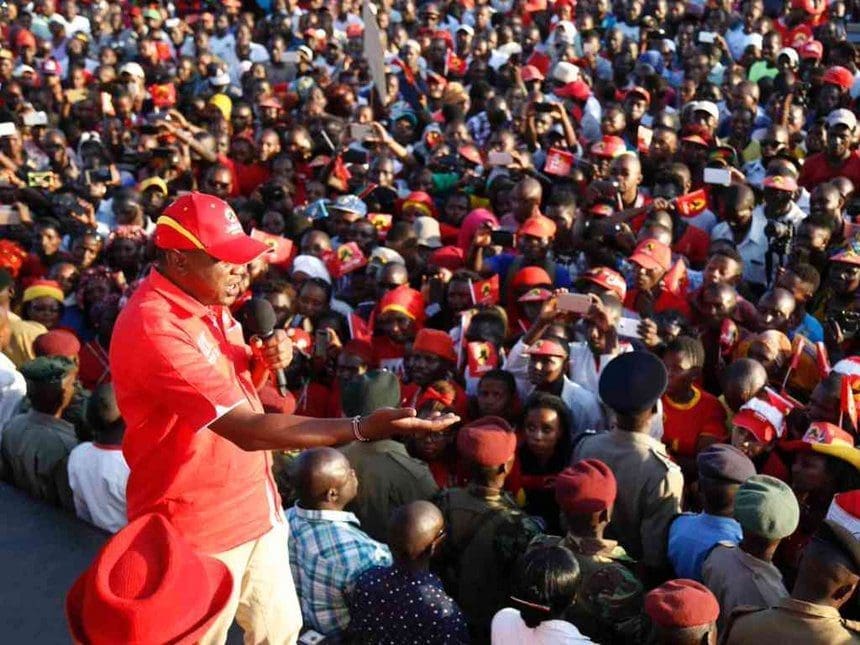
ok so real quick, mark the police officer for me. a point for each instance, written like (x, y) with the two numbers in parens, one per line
(722, 469)
(828, 576)
(608, 603)
(649, 483)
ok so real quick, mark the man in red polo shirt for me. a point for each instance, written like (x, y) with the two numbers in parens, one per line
(197, 439)
(837, 159)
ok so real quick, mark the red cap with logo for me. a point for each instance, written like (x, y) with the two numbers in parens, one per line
(608, 279)
(839, 76)
(780, 182)
(204, 222)
(652, 254)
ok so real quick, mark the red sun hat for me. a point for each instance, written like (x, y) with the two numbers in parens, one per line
(147, 586)
(682, 603)
(588, 486)
(200, 221)
(652, 254)
(435, 342)
(488, 442)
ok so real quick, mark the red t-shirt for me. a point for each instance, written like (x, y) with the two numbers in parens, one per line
(251, 176)
(684, 423)
(693, 245)
(816, 170)
(177, 367)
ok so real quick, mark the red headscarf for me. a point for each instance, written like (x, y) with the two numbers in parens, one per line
(471, 223)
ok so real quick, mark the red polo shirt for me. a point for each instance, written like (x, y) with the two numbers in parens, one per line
(177, 366)
(816, 170)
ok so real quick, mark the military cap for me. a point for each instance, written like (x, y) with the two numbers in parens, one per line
(57, 342)
(588, 486)
(633, 382)
(682, 603)
(47, 369)
(369, 392)
(721, 461)
(488, 441)
(767, 507)
(843, 519)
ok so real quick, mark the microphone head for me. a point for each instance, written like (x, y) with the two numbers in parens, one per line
(259, 317)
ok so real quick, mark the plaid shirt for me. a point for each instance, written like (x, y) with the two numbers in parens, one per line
(327, 553)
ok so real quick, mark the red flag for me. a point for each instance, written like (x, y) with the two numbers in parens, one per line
(358, 328)
(692, 204)
(482, 357)
(456, 65)
(280, 248)
(346, 259)
(381, 222)
(847, 403)
(486, 292)
(822, 359)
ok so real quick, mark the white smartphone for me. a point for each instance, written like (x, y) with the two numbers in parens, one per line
(707, 37)
(628, 327)
(577, 303)
(360, 131)
(718, 176)
(496, 158)
(32, 119)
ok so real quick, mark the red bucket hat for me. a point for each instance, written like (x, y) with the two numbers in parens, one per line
(147, 586)
(200, 221)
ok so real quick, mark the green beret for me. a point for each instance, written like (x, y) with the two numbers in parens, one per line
(767, 507)
(47, 369)
(367, 393)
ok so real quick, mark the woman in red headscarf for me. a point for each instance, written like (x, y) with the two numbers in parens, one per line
(395, 322)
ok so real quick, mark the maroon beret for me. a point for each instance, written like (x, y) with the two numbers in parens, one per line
(682, 603)
(588, 486)
(57, 342)
(488, 441)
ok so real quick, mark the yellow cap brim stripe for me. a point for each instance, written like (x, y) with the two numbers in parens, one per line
(171, 223)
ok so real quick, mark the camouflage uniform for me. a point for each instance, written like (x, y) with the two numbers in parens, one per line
(608, 604)
(487, 532)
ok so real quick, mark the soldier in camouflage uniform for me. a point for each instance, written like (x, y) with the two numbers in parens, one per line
(487, 532)
(608, 604)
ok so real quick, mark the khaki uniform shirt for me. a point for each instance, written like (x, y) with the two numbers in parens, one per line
(736, 578)
(487, 532)
(34, 456)
(650, 485)
(791, 622)
(609, 600)
(387, 478)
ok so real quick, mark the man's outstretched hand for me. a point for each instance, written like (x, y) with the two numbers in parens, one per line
(386, 422)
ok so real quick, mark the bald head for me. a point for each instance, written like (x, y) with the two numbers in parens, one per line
(742, 380)
(412, 529)
(324, 479)
(526, 197)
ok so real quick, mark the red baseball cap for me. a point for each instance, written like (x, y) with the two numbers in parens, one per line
(609, 147)
(608, 279)
(537, 294)
(839, 76)
(201, 221)
(147, 585)
(530, 73)
(641, 91)
(538, 226)
(652, 254)
(546, 347)
(578, 90)
(762, 419)
(811, 49)
(779, 182)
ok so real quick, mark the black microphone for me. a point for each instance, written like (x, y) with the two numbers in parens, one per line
(261, 321)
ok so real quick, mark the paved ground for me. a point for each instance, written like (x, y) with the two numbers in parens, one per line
(42, 551)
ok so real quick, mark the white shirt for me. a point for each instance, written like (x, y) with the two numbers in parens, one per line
(508, 628)
(13, 388)
(753, 248)
(97, 477)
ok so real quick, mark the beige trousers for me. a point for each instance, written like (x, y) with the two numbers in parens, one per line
(264, 600)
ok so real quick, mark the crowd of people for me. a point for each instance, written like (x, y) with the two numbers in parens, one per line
(619, 240)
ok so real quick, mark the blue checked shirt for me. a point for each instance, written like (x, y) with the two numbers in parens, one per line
(328, 551)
